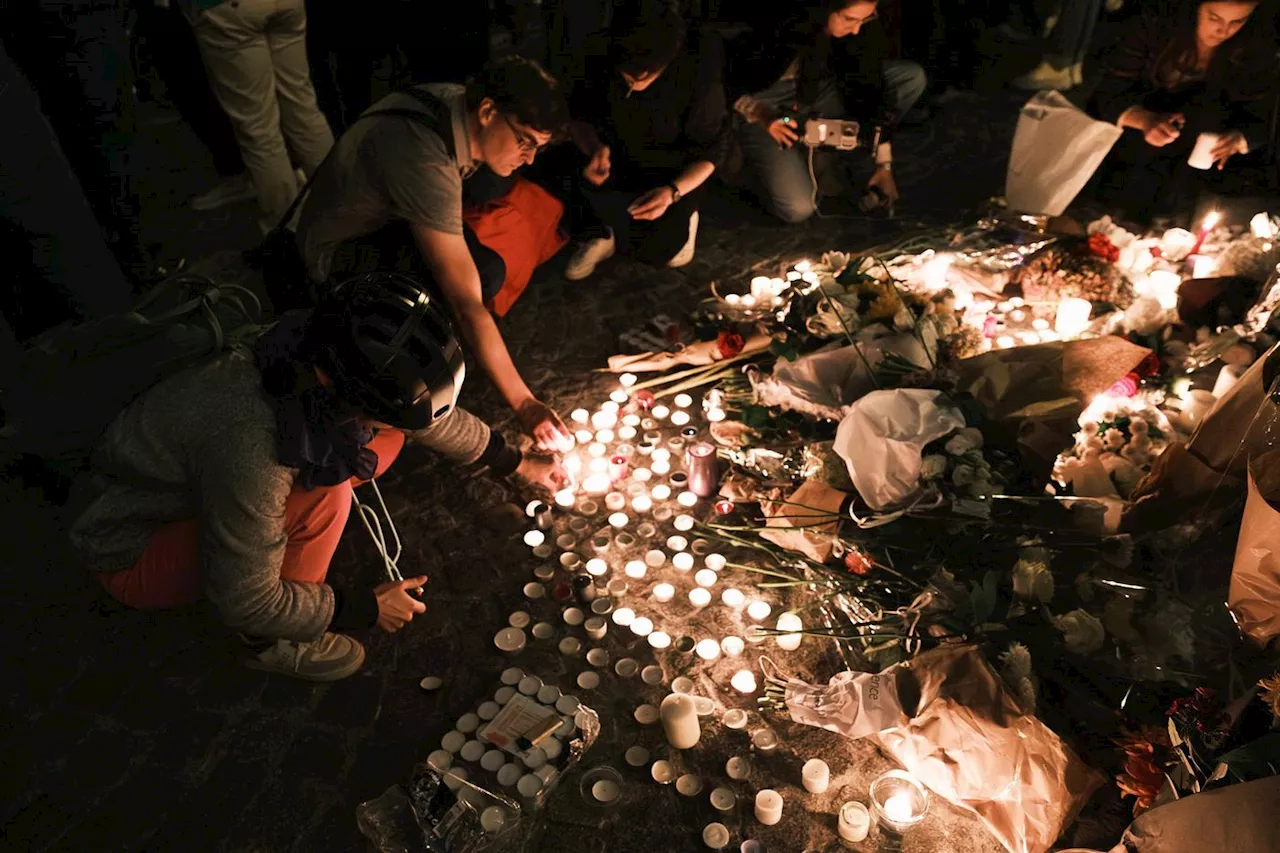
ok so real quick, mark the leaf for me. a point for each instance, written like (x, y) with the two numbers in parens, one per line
(785, 350)
(983, 598)
(1254, 760)
(755, 416)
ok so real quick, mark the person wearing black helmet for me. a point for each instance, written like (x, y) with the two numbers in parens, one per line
(232, 481)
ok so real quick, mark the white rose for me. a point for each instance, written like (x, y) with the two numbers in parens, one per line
(932, 467)
(1017, 661)
(1114, 438)
(1139, 426)
(1089, 428)
(1033, 580)
(1082, 632)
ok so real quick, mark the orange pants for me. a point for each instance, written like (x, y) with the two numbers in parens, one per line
(168, 572)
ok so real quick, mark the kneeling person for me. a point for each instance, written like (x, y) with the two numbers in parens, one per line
(232, 480)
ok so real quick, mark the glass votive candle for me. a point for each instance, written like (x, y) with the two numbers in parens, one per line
(759, 610)
(715, 562)
(707, 649)
(624, 616)
(659, 412)
(699, 596)
(619, 519)
(655, 558)
(660, 492)
(686, 499)
(705, 577)
(597, 567)
(615, 501)
(642, 503)
(642, 626)
(679, 418)
(677, 543)
(683, 523)
(682, 401)
(635, 569)
(683, 561)
(734, 598)
(898, 800)
(660, 467)
(641, 475)
(659, 640)
(663, 592)
(732, 646)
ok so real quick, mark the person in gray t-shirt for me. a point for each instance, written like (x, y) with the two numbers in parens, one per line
(390, 196)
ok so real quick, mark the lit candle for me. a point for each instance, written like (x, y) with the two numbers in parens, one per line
(534, 538)
(605, 435)
(597, 566)
(1073, 316)
(594, 484)
(759, 610)
(768, 807)
(707, 649)
(610, 406)
(618, 397)
(732, 646)
(699, 597)
(642, 626)
(715, 562)
(615, 501)
(789, 622)
(744, 681)
(659, 639)
(683, 523)
(618, 519)
(898, 800)
(898, 807)
(686, 499)
(632, 420)
(635, 569)
(660, 412)
(626, 380)
(623, 616)
(679, 417)
(705, 577)
(715, 415)
(662, 453)
(682, 401)
(680, 721)
(655, 558)
(677, 543)
(1206, 226)
(854, 822)
(604, 419)
(660, 492)
(660, 467)
(580, 416)
(626, 433)
(733, 598)
(663, 592)
(815, 775)
(641, 503)
(683, 561)
(584, 436)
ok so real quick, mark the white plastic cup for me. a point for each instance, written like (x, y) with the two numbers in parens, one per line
(1202, 155)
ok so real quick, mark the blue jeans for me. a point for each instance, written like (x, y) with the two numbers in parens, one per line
(782, 176)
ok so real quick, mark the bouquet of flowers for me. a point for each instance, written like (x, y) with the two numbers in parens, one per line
(1118, 440)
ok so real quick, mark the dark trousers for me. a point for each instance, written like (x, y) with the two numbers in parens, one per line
(76, 55)
(171, 46)
(392, 247)
(56, 265)
(649, 241)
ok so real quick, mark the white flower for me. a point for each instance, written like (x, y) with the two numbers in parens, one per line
(1114, 438)
(1016, 661)
(963, 475)
(932, 467)
(964, 440)
(1082, 632)
(1089, 428)
(1032, 579)
(1139, 426)
(1093, 442)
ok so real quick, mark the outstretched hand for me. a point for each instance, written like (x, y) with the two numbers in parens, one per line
(396, 607)
(542, 473)
(548, 430)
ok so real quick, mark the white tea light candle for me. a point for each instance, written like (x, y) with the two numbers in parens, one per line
(659, 640)
(686, 499)
(768, 807)
(595, 566)
(683, 561)
(853, 822)
(635, 569)
(660, 467)
(705, 577)
(619, 520)
(791, 641)
(699, 596)
(683, 523)
(534, 538)
(815, 775)
(732, 646)
(663, 592)
(623, 616)
(733, 598)
(759, 610)
(679, 418)
(660, 492)
(682, 401)
(707, 649)
(715, 562)
(642, 626)
(744, 681)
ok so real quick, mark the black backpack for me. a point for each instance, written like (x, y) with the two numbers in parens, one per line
(60, 391)
(284, 274)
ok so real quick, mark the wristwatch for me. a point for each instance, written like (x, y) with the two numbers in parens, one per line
(675, 192)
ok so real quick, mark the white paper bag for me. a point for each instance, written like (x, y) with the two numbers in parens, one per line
(1056, 149)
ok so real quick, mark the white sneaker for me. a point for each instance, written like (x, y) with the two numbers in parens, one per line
(686, 252)
(589, 255)
(330, 658)
(229, 191)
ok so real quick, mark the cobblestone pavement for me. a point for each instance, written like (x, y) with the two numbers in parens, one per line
(138, 731)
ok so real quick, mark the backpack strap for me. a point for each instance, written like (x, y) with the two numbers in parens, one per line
(436, 118)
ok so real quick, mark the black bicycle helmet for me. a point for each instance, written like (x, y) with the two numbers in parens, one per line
(389, 349)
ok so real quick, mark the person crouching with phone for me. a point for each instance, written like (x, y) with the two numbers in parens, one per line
(826, 62)
(653, 124)
(1209, 68)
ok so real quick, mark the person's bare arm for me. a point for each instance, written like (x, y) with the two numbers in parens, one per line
(455, 271)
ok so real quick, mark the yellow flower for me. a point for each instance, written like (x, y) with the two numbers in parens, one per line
(1271, 692)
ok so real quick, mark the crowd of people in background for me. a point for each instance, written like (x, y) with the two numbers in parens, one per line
(406, 149)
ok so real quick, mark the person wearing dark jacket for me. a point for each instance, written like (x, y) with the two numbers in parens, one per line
(826, 62)
(1208, 69)
(654, 125)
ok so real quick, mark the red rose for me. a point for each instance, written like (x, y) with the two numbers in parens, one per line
(644, 399)
(1150, 366)
(857, 563)
(1101, 247)
(729, 343)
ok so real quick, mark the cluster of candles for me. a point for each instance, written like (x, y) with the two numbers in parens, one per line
(767, 293)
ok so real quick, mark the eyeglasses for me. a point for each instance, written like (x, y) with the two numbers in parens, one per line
(527, 143)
